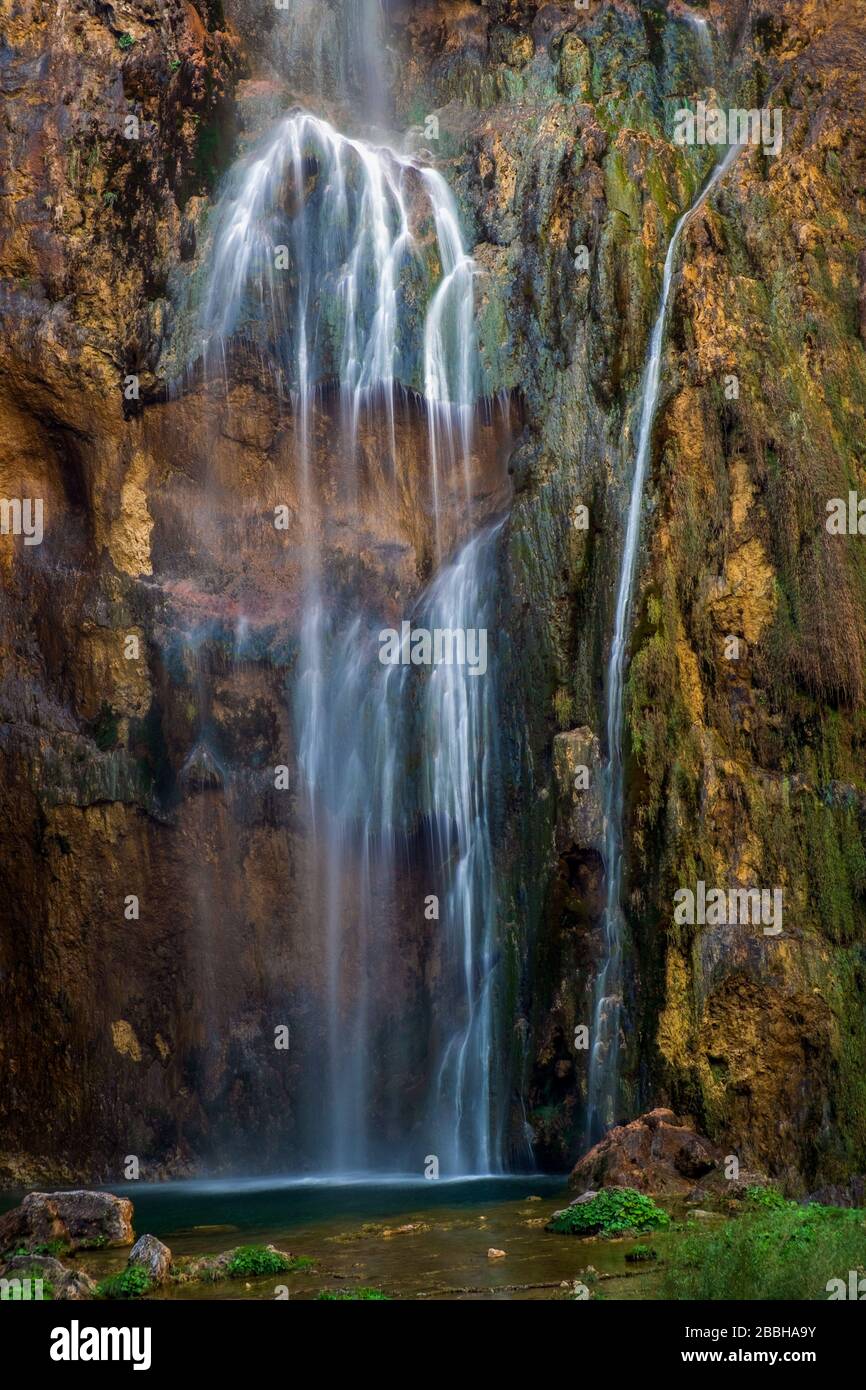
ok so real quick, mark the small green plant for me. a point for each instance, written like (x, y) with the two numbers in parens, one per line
(126, 42)
(611, 1212)
(563, 709)
(110, 198)
(249, 1261)
(767, 1199)
(51, 1247)
(353, 1296)
(640, 1253)
(174, 65)
(130, 1283)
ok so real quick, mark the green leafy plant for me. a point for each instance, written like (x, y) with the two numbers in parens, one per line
(611, 1212)
(767, 1199)
(249, 1261)
(353, 1296)
(126, 42)
(51, 1247)
(130, 1283)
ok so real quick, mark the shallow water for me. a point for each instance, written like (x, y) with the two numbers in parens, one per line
(344, 1228)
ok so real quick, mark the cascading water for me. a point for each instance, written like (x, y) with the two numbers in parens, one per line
(604, 1056)
(701, 29)
(317, 262)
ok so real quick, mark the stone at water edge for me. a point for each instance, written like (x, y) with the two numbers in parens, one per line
(654, 1153)
(66, 1284)
(494, 1254)
(153, 1257)
(79, 1220)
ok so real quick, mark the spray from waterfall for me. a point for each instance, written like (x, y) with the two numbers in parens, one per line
(607, 1009)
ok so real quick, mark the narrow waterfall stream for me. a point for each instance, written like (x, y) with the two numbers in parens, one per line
(607, 1008)
(385, 753)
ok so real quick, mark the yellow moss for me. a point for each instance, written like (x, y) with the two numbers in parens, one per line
(747, 598)
(674, 1028)
(129, 535)
(125, 1041)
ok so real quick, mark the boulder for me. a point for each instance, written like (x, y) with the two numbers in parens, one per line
(78, 1220)
(59, 1282)
(655, 1153)
(852, 1194)
(153, 1257)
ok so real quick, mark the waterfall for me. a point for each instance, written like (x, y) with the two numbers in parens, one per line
(699, 25)
(332, 52)
(607, 1009)
(322, 247)
(460, 724)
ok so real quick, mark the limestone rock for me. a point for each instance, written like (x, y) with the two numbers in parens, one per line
(581, 820)
(654, 1153)
(79, 1220)
(65, 1284)
(151, 1255)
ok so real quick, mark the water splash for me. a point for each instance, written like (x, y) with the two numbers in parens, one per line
(604, 1057)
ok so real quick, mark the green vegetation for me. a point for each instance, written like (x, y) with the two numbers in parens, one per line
(767, 1199)
(249, 1261)
(130, 1283)
(18, 1295)
(51, 1247)
(786, 1253)
(612, 1212)
(353, 1296)
(640, 1253)
(126, 42)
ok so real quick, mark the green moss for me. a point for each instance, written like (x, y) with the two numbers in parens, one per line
(250, 1261)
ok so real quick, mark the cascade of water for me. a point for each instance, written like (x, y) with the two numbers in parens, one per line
(332, 51)
(381, 749)
(604, 1057)
(699, 25)
(460, 725)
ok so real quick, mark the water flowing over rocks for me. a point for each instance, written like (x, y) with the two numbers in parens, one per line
(158, 407)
